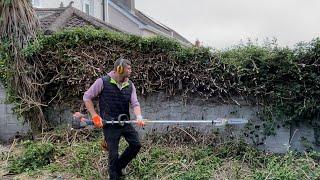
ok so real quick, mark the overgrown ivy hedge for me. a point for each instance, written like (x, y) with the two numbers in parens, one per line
(287, 80)
(4, 62)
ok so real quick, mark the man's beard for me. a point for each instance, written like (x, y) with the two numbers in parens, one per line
(125, 76)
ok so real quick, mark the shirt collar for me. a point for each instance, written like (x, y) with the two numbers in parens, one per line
(113, 81)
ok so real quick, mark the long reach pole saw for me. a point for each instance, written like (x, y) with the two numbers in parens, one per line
(79, 121)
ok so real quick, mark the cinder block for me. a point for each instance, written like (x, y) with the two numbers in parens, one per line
(12, 128)
(278, 143)
(3, 128)
(2, 94)
(302, 137)
(9, 109)
(3, 119)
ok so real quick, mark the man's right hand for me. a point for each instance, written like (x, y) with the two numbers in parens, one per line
(140, 122)
(97, 121)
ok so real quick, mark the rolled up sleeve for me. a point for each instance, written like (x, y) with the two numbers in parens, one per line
(94, 90)
(134, 97)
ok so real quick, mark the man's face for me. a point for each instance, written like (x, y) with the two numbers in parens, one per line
(127, 71)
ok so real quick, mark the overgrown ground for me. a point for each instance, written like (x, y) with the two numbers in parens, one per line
(66, 154)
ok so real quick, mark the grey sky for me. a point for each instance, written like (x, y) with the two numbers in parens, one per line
(223, 23)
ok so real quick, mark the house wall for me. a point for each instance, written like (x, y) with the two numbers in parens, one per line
(98, 9)
(147, 33)
(128, 4)
(119, 20)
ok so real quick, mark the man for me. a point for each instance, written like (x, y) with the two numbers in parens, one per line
(116, 92)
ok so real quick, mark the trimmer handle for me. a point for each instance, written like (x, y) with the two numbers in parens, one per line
(79, 121)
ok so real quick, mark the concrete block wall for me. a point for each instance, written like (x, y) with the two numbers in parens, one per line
(10, 125)
(159, 107)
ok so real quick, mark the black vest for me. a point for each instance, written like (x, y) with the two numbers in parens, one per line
(113, 101)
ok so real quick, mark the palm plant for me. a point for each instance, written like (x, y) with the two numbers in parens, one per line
(19, 23)
(18, 26)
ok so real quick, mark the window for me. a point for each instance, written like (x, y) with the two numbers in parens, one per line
(35, 3)
(87, 6)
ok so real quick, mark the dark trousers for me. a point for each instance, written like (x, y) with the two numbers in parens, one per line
(112, 134)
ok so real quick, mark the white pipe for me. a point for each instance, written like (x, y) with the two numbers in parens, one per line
(107, 11)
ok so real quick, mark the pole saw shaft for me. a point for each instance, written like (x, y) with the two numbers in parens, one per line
(227, 121)
(218, 122)
(80, 121)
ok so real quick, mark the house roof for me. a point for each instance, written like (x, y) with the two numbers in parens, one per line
(54, 19)
(156, 24)
(149, 23)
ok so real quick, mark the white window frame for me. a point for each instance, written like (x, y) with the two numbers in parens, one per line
(88, 3)
(36, 3)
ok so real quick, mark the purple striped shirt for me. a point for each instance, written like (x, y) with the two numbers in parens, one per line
(97, 87)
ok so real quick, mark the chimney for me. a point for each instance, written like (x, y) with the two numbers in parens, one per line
(197, 43)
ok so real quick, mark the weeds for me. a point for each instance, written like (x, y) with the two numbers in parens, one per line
(79, 157)
(35, 156)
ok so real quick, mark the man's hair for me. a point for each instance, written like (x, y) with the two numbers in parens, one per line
(123, 62)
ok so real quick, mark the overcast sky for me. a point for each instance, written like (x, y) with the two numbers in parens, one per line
(223, 23)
